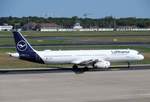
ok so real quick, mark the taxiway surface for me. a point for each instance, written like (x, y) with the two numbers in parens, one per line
(101, 86)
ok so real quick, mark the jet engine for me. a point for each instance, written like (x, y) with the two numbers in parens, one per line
(102, 64)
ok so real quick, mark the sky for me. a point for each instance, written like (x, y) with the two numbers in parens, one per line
(69, 8)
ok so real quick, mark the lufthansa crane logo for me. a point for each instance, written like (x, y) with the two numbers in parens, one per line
(21, 45)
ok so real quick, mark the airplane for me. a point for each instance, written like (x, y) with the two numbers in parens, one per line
(95, 58)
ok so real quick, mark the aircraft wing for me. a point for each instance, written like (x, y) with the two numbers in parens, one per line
(98, 63)
(85, 61)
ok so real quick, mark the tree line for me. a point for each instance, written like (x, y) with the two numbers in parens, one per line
(64, 22)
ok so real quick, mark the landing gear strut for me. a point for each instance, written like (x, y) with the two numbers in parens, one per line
(128, 64)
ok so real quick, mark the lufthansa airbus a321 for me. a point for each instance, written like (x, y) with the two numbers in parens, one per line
(94, 58)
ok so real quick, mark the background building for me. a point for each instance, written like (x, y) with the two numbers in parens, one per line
(6, 27)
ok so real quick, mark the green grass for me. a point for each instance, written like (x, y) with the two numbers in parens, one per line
(77, 37)
(70, 38)
(80, 47)
(76, 40)
(10, 62)
(74, 34)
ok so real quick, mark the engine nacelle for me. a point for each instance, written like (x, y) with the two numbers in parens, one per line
(102, 64)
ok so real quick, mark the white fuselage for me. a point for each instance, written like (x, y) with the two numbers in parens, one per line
(95, 58)
(73, 56)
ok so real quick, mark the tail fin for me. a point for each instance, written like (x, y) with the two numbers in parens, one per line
(24, 49)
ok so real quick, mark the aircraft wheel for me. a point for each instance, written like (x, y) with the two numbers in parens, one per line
(75, 67)
(86, 68)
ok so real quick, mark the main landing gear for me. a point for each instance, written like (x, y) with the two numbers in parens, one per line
(75, 66)
(128, 64)
(79, 70)
(76, 69)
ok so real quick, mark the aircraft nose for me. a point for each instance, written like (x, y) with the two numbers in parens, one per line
(141, 57)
